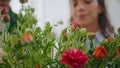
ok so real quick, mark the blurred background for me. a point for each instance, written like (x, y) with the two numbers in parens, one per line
(58, 10)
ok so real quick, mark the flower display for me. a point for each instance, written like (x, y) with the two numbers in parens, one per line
(28, 46)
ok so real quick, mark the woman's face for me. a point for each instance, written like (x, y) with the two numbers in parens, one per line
(85, 12)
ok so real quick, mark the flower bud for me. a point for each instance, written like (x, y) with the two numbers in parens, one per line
(28, 30)
(4, 9)
(74, 23)
(27, 38)
(83, 31)
(118, 52)
(6, 18)
(66, 34)
(105, 42)
(110, 39)
(91, 35)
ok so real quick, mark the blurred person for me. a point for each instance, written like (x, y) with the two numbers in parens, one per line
(6, 10)
(92, 15)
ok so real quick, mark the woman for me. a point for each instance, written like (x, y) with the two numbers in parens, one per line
(92, 15)
(6, 10)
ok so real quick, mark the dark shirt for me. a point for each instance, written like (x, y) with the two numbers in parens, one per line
(13, 21)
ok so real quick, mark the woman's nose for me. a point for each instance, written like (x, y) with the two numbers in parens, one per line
(80, 7)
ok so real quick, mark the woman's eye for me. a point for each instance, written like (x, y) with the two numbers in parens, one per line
(74, 4)
(88, 1)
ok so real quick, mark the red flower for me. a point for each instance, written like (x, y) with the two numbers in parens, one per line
(27, 37)
(37, 66)
(110, 39)
(4, 9)
(74, 23)
(118, 52)
(6, 18)
(100, 52)
(74, 58)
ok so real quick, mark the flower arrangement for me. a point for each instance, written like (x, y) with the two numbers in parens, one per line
(29, 46)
